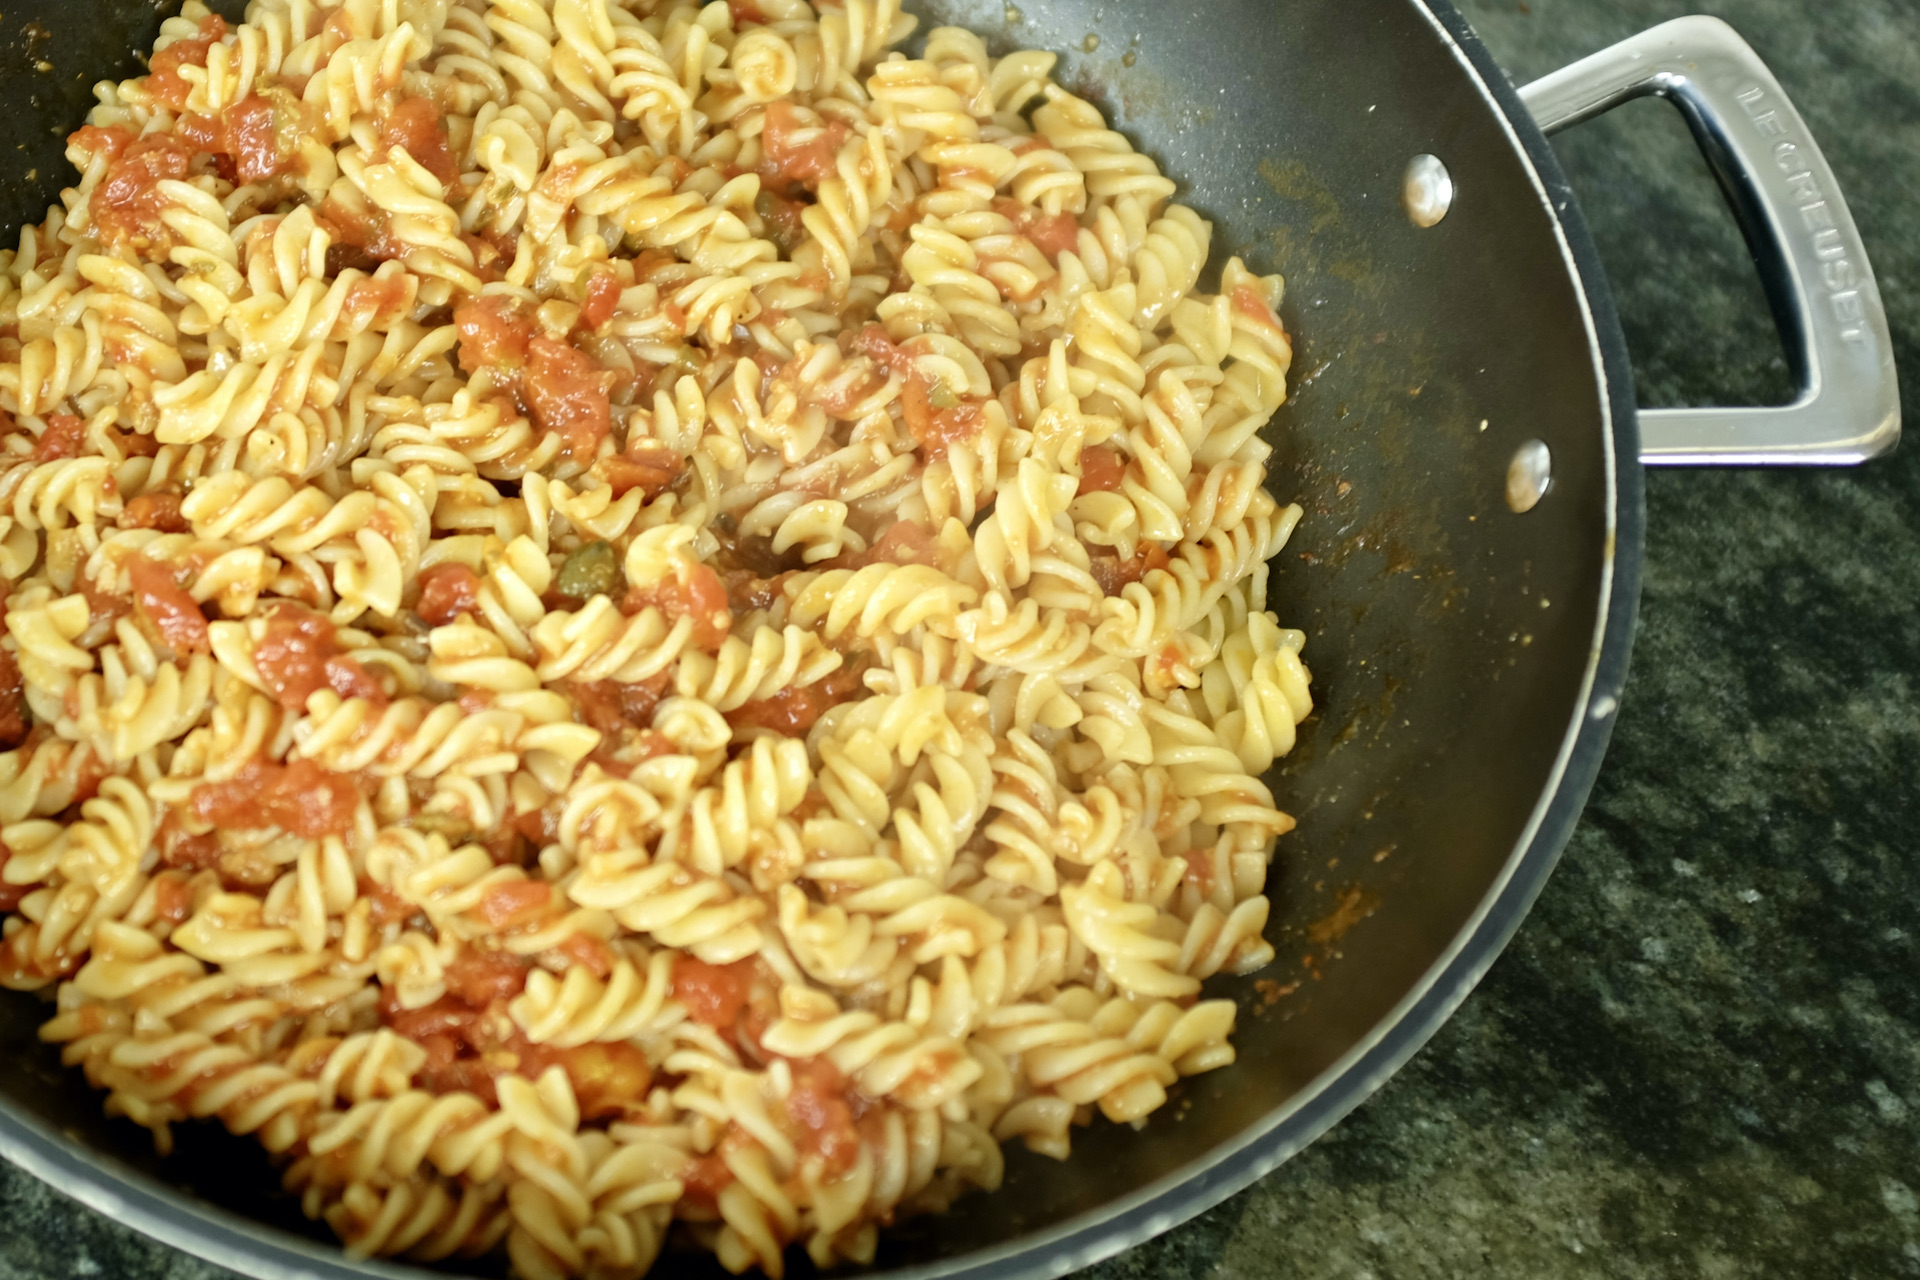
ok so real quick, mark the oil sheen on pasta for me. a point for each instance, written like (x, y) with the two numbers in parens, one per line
(622, 615)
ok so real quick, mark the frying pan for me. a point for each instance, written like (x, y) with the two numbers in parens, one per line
(1464, 438)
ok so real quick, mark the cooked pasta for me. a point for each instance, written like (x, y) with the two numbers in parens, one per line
(631, 622)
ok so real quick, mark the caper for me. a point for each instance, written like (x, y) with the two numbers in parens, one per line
(589, 571)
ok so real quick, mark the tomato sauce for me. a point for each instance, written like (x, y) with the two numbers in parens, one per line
(13, 703)
(172, 898)
(159, 509)
(478, 978)
(1113, 573)
(301, 798)
(62, 438)
(158, 597)
(904, 542)
(414, 124)
(932, 427)
(786, 159)
(704, 1178)
(1101, 469)
(446, 592)
(713, 995)
(556, 385)
(745, 11)
(11, 894)
(603, 298)
(514, 902)
(300, 653)
(793, 711)
(615, 708)
(364, 231)
(700, 596)
(589, 952)
(126, 205)
(373, 297)
(822, 1115)
(1247, 301)
(566, 393)
(1051, 233)
(164, 80)
(647, 465)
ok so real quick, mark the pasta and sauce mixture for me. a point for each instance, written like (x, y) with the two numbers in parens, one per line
(630, 614)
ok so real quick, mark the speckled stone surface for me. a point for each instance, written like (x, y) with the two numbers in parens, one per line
(1700, 1057)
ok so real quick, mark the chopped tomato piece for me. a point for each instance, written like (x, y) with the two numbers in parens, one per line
(126, 205)
(494, 333)
(164, 81)
(13, 703)
(820, 1110)
(62, 438)
(647, 465)
(589, 952)
(700, 595)
(613, 708)
(172, 898)
(1113, 573)
(162, 602)
(95, 139)
(712, 994)
(789, 158)
(566, 393)
(301, 798)
(932, 426)
(301, 652)
(480, 977)
(446, 592)
(793, 711)
(1051, 233)
(514, 901)
(603, 298)
(364, 230)
(158, 509)
(904, 542)
(11, 894)
(415, 125)
(1102, 467)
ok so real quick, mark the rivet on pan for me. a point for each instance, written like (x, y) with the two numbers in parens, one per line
(1529, 476)
(1427, 190)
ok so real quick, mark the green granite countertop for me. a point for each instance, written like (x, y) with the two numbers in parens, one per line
(1700, 1057)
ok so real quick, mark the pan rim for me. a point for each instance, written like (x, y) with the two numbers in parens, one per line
(226, 1238)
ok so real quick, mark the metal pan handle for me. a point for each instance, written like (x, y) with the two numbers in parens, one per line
(1811, 260)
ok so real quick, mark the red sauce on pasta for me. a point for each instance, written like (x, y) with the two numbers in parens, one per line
(126, 205)
(589, 952)
(821, 1111)
(932, 426)
(603, 298)
(174, 614)
(414, 124)
(1113, 573)
(165, 81)
(13, 703)
(11, 894)
(554, 384)
(172, 897)
(301, 798)
(1102, 468)
(787, 158)
(744, 11)
(614, 708)
(62, 438)
(1051, 233)
(1248, 302)
(704, 1178)
(477, 978)
(647, 465)
(794, 711)
(300, 652)
(713, 994)
(701, 596)
(362, 237)
(904, 542)
(255, 139)
(514, 902)
(159, 509)
(446, 592)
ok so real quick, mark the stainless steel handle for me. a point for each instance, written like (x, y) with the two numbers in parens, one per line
(1811, 260)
